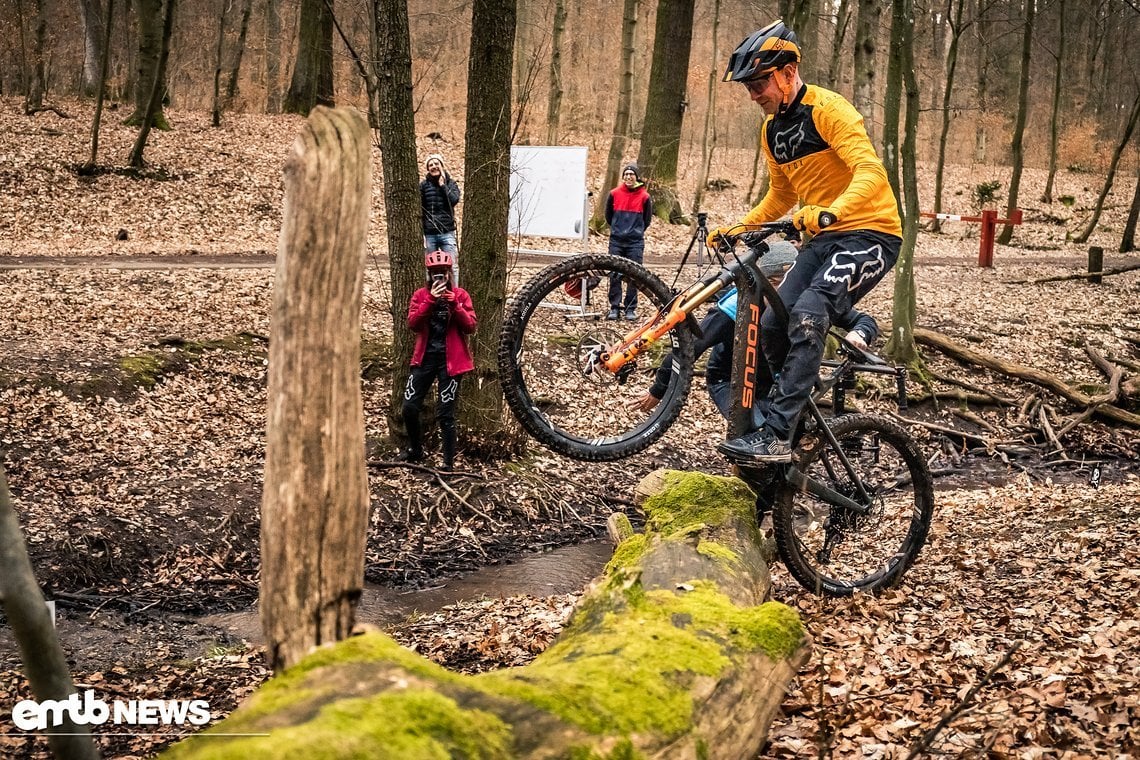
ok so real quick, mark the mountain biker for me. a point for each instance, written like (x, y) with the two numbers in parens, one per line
(718, 330)
(440, 314)
(818, 153)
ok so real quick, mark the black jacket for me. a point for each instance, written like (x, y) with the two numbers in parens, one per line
(438, 205)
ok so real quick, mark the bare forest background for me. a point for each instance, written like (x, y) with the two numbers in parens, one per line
(1082, 52)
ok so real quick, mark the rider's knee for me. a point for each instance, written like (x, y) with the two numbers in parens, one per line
(808, 326)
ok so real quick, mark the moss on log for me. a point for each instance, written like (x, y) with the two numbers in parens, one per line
(673, 652)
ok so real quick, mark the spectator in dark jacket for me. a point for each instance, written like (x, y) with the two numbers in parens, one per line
(629, 210)
(439, 195)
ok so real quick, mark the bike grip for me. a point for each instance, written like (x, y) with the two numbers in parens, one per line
(826, 219)
(900, 383)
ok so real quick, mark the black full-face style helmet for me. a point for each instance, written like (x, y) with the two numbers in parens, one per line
(763, 52)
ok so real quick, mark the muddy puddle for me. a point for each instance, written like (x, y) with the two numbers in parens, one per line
(560, 571)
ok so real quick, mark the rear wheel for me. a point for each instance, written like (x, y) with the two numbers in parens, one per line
(835, 550)
(555, 331)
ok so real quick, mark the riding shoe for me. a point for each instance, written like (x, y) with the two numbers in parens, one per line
(631, 314)
(760, 446)
(614, 314)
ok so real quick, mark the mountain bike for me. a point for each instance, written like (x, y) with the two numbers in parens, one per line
(852, 510)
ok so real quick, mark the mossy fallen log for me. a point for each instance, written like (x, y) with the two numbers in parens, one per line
(673, 652)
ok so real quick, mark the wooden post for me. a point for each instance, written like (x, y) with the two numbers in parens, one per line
(1096, 263)
(314, 508)
(986, 245)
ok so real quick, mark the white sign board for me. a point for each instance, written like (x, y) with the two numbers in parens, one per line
(548, 191)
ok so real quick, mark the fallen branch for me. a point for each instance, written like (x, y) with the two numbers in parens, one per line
(949, 380)
(1103, 403)
(41, 109)
(922, 746)
(975, 418)
(944, 430)
(1077, 276)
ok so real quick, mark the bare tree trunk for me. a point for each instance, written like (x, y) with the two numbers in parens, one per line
(157, 88)
(312, 83)
(239, 53)
(147, 76)
(89, 167)
(708, 139)
(947, 93)
(981, 27)
(892, 100)
(314, 509)
(34, 101)
(757, 191)
(866, 27)
(834, 64)
(31, 623)
(1133, 116)
(801, 17)
(620, 138)
(393, 69)
(216, 111)
(901, 346)
(273, 56)
(1128, 239)
(1054, 122)
(93, 32)
(666, 104)
(23, 73)
(1017, 149)
(485, 213)
(554, 102)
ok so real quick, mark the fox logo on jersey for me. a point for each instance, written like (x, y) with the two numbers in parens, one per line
(787, 142)
(853, 267)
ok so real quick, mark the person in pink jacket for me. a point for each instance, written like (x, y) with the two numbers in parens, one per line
(441, 315)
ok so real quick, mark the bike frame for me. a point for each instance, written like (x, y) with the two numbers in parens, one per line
(686, 302)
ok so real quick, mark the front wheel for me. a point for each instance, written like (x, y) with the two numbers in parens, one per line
(555, 333)
(835, 550)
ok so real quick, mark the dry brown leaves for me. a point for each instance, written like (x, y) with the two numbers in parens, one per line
(147, 501)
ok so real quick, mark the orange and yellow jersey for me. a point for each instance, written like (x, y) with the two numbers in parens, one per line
(819, 154)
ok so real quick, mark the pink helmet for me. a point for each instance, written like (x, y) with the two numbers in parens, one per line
(438, 259)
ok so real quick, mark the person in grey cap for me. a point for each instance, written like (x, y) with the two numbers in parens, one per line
(718, 329)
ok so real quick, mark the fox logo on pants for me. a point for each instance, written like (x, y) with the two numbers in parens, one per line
(856, 266)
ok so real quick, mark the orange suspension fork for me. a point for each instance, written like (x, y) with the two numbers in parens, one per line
(659, 326)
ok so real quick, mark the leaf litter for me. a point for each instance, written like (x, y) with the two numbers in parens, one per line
(139, 500)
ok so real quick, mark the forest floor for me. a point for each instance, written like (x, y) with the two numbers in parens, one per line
(132, 411)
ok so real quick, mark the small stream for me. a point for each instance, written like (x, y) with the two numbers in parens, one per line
(560, 571)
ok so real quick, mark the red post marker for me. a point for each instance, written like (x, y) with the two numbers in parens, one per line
(989, 222)
(986, 247)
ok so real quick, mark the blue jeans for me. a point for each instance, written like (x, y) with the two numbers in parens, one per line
(634, 252)
(832, 272)
(444, 241)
